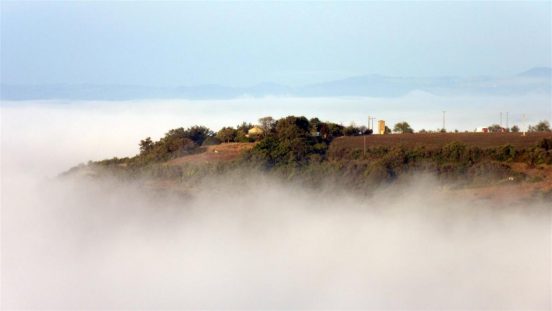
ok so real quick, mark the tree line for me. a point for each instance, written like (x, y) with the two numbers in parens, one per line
(292, 139)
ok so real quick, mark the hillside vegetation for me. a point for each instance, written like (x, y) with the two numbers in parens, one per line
(316, 152)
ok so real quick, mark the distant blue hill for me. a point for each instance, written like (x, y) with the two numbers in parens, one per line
(535, 80)
(538, 72)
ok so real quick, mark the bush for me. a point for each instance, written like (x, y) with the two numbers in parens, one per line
(455, 152)
(396, 160)
(537, 156)
(545, 143)
(227, 134)
(504, 153)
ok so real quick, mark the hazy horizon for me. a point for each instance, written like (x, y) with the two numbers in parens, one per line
(243, 44)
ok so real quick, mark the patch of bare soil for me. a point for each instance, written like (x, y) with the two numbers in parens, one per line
(213, 154)
(538, 181)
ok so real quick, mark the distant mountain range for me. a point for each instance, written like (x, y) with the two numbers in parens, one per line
(535, 80)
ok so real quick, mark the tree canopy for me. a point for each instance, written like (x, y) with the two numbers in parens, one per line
(267, 124)
(495, 128)
(402, 127)
(296, 140)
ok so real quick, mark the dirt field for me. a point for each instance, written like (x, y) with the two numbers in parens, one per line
(436, 140)
(539, 178)
(217, 153)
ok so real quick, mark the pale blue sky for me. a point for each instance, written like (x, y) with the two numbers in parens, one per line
(176, 43)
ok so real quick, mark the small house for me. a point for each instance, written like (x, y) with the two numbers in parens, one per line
(255, 131)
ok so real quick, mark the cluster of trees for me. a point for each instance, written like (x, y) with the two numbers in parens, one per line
(496, 128)
(297, 140)
(542, 126)
(288, 140)
(268, 126)
(238, 134)
(176, 142)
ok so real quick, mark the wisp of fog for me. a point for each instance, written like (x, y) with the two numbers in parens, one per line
(250, 241)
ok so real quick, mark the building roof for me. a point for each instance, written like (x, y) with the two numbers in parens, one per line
(255, 130)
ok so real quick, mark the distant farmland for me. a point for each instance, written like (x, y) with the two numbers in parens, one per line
(437, 140)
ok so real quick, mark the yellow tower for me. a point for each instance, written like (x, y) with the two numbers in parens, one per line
(381, 127)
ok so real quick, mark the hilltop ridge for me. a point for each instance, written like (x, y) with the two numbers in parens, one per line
(313, 153)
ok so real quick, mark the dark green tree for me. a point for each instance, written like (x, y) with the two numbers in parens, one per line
(352, 130)
(146, 145)
(542, 126)
(227, 134)
(198, 133)
(291, 143)
(402, 127)
(329, 130)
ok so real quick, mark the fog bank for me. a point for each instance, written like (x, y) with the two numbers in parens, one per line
(259, 243)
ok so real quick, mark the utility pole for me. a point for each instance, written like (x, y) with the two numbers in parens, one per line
(444, 129)
(364, 136)
(507, 121)
(523, 122)
(373, 118)
(501, 119)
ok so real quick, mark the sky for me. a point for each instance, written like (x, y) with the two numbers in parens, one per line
(245, 43)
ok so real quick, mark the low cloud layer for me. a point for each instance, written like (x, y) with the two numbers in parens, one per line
(259, 243)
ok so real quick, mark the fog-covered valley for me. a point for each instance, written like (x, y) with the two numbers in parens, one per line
(275, 155)
(247, 240)
(253, 242)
